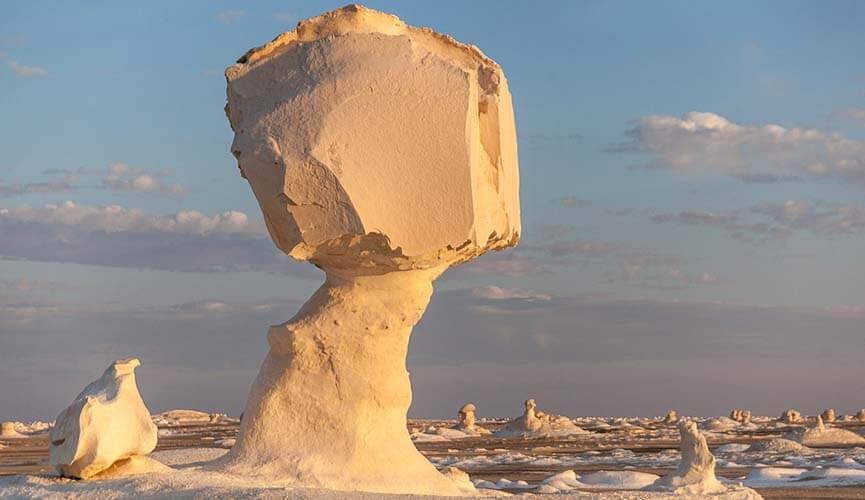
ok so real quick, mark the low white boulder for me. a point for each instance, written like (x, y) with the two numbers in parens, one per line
(106, 424)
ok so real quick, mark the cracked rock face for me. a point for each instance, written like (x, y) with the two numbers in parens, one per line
(373, 146)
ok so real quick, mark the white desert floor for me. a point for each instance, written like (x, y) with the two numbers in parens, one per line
(613, 459)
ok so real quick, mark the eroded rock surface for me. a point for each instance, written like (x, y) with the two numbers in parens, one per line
(537, 423)
(369, 143)
(383, 154)
(696, 472)
(107, 424)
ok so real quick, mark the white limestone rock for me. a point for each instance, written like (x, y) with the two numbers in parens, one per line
(383, 154)
(7, 430)
(820, 435)
(860, 415)
(719, 424)
(828, 415)
(467, 421)
(777, 445)
(672, 417)
(741, 416)
(107, 423)
(537, 423)
(696, 472)
(372, 144)
(792, 416)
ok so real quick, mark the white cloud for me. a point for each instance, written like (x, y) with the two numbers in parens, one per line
(229, 16)
(574, 202)
(497, 293)
(855, 115)
(760, 153)
(671, 278)
(696, 218)
(513, 263)
(773, 221)
(122, 177)
(26, 71)
(115, 236)
(114, 218)
(831, 220)
(60, 186)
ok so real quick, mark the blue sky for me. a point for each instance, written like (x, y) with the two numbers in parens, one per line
(693, 192)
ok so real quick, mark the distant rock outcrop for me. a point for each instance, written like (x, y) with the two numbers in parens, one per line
(7, 430)
(534, 422)
(467, 422)
(741, 416)
(791, 416)
(820, 435)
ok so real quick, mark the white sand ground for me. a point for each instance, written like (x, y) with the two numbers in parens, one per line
(617, 453)
(191, 479)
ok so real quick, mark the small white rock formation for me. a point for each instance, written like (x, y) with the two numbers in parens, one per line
(696, 472)
(467, 422)
(107, 425)
(792, 416)
(383, 154)
(820, 435)
(719, 424)
(672, 417)
(828, 415)
(860, 415)
(777, 445)
(7, 430)
(537, 423)
(741, 416)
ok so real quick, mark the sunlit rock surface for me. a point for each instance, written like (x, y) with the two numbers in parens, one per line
(696, 472)
(535, 422)
(383, 154)
(105, 425)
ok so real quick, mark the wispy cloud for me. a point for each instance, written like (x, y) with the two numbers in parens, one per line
(772, 221)
(229, 16)
(760, 153)
(43, 187)
(117, 177)
(26, 71)
(114, 218)
(512, 263)
(855, 115)
(497, 293)
(574, 202)
(115, 236)
(122, 177)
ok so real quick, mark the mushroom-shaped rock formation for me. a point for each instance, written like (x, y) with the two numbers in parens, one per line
(105, 426)
(696, 472)
(792, 416)
(741, 416)
(383, 154)
(860, 415)
(467, 422)
(672, 417)
(828, 415)
(537, 423)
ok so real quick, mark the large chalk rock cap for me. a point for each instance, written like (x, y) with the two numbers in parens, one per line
(369, 143)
